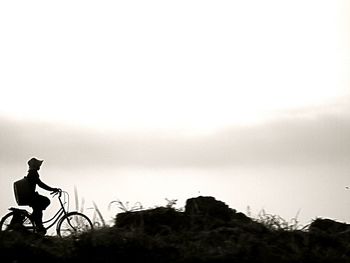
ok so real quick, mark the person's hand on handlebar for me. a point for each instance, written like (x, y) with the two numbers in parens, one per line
(56, 191)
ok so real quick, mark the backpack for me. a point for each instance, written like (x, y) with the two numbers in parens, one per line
(23, 192)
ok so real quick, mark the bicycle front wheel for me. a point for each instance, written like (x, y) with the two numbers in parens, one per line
(73, 223)
(16, 221)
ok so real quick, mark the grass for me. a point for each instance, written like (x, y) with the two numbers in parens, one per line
(267, 238)
(125, 206)
(97, 217)
(276, 222)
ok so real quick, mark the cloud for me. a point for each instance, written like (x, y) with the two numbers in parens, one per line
(296, 139)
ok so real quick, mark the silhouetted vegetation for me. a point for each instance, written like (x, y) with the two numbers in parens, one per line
(206, 231)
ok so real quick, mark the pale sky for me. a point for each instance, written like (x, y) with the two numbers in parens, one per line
(161, 64)
(198, 86)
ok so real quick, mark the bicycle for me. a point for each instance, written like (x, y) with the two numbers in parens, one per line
(68, 223)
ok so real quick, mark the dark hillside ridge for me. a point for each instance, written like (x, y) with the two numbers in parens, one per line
(206, 231)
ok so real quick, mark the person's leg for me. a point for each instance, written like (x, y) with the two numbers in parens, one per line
(37, 216)
(39, 204)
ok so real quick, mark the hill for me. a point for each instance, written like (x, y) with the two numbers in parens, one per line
(206, 231)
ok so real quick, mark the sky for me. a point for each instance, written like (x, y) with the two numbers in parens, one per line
(247, 101)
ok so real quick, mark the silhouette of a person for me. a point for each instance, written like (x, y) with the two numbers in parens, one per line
(38, 202)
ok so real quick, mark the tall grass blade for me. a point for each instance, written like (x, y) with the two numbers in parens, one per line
(99, 214)
(82, 206)
(76, 198)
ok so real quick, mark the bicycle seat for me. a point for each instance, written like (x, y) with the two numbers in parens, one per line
(14, 209)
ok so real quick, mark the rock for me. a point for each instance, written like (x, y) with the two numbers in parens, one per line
(208, 206)
(152, 221)
(328, 226)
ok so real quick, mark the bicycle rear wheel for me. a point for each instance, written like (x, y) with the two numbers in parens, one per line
(73, 223)
(17, 221)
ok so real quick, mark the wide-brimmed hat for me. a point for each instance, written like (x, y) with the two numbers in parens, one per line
(35, 162)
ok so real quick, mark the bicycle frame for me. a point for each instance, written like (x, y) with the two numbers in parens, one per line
(62, 211)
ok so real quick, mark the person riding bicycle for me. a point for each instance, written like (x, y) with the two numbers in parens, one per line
(37, 201)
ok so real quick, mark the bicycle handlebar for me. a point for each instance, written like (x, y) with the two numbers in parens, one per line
(58, 192)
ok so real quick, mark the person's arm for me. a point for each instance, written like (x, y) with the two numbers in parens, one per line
(45, 186)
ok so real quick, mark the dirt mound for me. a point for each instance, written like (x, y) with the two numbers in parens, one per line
(201, 213)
